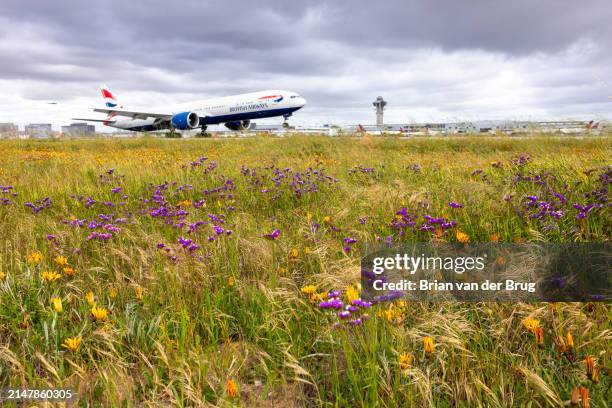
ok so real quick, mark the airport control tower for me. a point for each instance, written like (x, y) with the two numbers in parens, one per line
(380, 104)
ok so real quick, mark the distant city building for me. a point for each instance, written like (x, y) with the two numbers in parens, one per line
(8, 129)
(39, 130)
(78, 128)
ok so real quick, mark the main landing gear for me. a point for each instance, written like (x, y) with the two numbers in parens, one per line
(173, 134)
(203, 132)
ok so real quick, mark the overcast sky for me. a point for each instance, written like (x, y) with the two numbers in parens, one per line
(432, 60)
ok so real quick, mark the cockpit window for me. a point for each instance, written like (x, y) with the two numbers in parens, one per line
(295, 96)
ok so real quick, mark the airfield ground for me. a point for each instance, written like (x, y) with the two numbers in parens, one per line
(178, 273)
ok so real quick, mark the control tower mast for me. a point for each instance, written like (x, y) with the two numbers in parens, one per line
(379, 104)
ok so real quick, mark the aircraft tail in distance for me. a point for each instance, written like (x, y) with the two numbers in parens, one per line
(109, 98)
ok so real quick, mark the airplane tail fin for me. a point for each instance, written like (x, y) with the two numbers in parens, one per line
(109, 99)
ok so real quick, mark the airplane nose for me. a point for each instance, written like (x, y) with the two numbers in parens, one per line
(302, 101)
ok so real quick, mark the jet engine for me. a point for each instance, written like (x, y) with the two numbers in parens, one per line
(238, 125)
(185, 120)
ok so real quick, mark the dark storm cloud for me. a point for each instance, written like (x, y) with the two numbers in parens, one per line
(178, 34)
(517, 26)
(339, 53)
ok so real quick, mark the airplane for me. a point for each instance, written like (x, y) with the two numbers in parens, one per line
(236, 112)
(592, 125)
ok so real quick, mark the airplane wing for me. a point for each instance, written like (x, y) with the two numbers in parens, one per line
(95, 120)
(134, 115)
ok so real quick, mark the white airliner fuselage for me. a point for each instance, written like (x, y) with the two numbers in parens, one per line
(235, 112)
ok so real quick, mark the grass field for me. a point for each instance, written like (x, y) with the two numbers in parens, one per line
(188, 272)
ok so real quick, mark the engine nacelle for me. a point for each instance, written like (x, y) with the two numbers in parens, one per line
(238, 125)
(185, 120)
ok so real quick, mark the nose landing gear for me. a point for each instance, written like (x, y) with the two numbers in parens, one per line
(285, 122)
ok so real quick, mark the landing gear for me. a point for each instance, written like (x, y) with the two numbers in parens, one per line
(173, 134)
(285, 123)
(203, 132)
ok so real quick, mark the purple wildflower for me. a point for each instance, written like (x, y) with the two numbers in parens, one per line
(583, 210)
(112, 228)
(331, 304)
(345, 314)
(185, 242)
(453, 204)
(334, 294)
(561, 197)
(273, 235)
(99, 236)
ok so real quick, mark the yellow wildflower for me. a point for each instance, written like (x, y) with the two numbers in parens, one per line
(538, 332)
(35, 257)
(404, 360)
(231, 281)
(428, 345)
(308, 289)
(112, 293)
(2, 275)
(57, 304)
(294, 253)
(352, 293)
(584, 392)
(575, 396)
(50, 276)
(591, 370)
(90, 298)
(495, 238)
(61, 260)
(69, 271)
(327, 219)
(231, 388)
(99, 313)
(184, 203)
(73, 343)
(317, 297)
(531, 323)
(462, 237)
(569, 340)
(139, 293)
(307, 250)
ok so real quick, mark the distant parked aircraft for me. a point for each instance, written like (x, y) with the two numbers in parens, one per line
(592, 125)
(236, 112)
